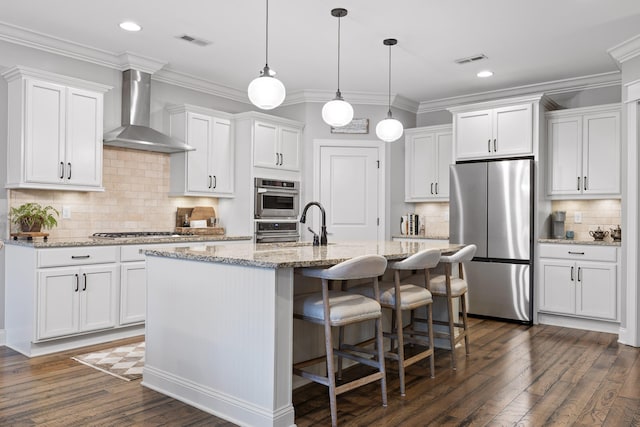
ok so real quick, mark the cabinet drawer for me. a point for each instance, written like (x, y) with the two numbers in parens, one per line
(59, 257)
(579, 252)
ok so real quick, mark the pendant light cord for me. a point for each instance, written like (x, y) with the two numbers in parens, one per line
(339, 19)
(266, 38)
(389, 112)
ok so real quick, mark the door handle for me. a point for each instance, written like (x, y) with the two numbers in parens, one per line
(77, 283)
(572, 273)
(277, 159)
(84, 277)
(215, 182)
(281, 159)
(80, 256)
(210, 181)
(578, 184)
(69, 164)
(495, 145)
(575, 253)
(579, 274)
(436, 188)
(586, 183)
(61, 170)
(432, 188)
(489, 145)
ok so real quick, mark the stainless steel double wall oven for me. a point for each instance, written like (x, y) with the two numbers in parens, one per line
(277, 205)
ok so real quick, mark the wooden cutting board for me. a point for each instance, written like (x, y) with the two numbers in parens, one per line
(202, 212)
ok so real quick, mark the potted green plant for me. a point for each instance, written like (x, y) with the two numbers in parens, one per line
(32, 217)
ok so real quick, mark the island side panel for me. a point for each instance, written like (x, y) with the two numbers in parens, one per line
(219, 338)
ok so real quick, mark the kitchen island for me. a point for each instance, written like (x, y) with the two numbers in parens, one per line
(219, 329)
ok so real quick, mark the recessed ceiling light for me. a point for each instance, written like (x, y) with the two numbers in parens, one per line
(485, 73)
(130, 26)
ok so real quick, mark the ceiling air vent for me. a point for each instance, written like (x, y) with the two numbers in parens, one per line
(194, 40)
(472, 58)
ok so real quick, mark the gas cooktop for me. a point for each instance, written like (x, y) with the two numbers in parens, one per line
(139, 234)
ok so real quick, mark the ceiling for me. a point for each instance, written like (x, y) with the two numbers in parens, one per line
(526, 41)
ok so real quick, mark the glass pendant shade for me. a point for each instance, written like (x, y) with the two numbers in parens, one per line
(389, 129)
(266, 92)
(337, 113)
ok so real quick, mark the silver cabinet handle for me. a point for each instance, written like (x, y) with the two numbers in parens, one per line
(586, 183)
(572, 273)
(495, 145)
(576, 253)
(578, 184)
(489, 145)
(436, 188)
(432, 188)
(579, 274)
(69, 164)
(61, 170)
(84, 277)
(77, 283)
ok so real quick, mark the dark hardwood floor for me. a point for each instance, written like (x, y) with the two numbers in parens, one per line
(515, 375)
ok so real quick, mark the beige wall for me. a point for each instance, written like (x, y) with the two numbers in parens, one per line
(135, 198)
(603, 213)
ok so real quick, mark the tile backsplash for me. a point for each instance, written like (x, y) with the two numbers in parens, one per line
(435, 217)
(605, 214)
(136, 197)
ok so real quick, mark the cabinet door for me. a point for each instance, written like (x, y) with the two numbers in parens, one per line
(44, 132)
(513, 130)
(601, 158)
(83, 149)
(199, 130)
(558, 286)
(265, 151)
(474, 134)
(421, 166)
(222, 160)
(58, 299)
(596, 292)
(565, 155)
(289, 148)
(98, 297)
(133, 292)
(444, 150)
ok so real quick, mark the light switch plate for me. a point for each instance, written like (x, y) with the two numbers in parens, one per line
(66, 212)
(577, 218)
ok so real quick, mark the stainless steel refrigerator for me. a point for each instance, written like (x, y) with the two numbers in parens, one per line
(491, 206)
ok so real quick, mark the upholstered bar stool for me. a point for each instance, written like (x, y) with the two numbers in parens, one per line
(408, 295)
(450, 288)
(337, 308)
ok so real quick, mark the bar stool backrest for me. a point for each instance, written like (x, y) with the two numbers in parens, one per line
(360, 267)
(427, 258)
(464, 254)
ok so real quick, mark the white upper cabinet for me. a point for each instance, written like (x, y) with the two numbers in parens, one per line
(584, 152)
(54, 131)
(428, 154)
(276, 146)
(209, 169)
(496, 132)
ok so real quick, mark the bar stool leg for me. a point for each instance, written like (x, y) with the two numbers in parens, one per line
(452, 338)
(328, 342)
(463, 304)
(399, 332)
(380, 345)
(431, 343)
(340, 341)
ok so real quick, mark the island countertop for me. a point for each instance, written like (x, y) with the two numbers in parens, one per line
(294, 255)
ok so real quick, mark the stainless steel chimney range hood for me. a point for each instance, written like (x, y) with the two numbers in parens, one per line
(135, 131)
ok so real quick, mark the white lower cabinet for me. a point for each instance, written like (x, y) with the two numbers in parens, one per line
(74, 300)
(579, 281)
(133, 292)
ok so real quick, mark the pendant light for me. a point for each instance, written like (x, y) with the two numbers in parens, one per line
(337, 112)
(266, 92)
(389, 129)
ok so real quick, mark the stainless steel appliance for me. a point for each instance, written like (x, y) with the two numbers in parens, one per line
(492, 206)
(277, 231)
(276, 199)
(557, 224)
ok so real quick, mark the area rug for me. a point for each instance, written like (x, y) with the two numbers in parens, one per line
(124, 362)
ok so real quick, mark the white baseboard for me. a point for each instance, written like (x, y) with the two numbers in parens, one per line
(579, 323)
(3, 337)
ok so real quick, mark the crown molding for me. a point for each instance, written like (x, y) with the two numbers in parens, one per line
(626, 50)
(20, 71)
(593, 81)
(322, 96)
(188, 81)
(129, 60)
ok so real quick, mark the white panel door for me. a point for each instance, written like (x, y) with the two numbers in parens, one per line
(83, 154)
(289, 148)
(349, 192)
(222, 157)
(265, 145)
(45, 132)
(474, 134)
(596, 291)
(513, 130)
(98, 297)
(199, 177)
(133, 292)
(565, 154)
(58, 300)
(444, 150)
(425, 170)
(601, 153)
(558, 287)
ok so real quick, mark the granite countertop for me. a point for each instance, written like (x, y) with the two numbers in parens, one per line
(420, 236)
(288, 255)
(580, 242)
(97, 241)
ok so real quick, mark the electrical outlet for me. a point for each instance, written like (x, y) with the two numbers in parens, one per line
(577, 218)
(66, 212)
